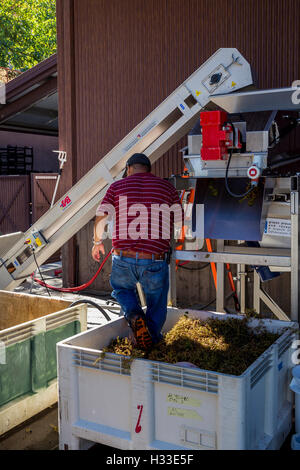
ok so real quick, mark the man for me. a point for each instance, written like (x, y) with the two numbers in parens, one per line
(141, 244)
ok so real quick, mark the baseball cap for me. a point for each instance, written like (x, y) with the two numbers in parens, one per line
(139, 158)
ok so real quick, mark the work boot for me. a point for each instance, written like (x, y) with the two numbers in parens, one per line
(142, 336)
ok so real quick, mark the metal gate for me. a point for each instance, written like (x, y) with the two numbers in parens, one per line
(42, 189)
(14, 204)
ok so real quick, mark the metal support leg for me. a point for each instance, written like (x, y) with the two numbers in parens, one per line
(272, 305)
(295, 242)
(172, 295)
(260, 294)
(220, 280)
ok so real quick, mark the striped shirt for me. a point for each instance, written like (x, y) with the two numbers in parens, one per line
(144, 208)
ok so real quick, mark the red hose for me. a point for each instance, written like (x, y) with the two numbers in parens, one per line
(75, 289)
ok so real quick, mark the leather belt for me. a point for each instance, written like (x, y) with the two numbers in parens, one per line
(141, 254)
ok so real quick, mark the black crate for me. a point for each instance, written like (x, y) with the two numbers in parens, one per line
(16, 160)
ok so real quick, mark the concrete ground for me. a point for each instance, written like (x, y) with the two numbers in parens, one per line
(94, 316)
(39, 433)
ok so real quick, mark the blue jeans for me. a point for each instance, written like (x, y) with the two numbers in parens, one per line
(154, 279)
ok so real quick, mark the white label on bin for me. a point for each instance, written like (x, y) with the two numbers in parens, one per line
(2, 353)
(278, 227)
(183, 413)
(182, 400)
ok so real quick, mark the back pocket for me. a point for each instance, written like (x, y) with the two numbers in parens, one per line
(155, 276)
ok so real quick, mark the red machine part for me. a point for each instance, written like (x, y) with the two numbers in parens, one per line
(216, 135)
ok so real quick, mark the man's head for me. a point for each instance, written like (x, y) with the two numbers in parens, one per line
(137, 163)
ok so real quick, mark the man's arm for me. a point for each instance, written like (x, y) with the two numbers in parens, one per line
(99, 226)
(105, 209)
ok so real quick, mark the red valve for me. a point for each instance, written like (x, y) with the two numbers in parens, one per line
(217, 135)
(215, 140)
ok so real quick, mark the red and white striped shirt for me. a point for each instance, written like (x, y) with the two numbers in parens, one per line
(144, 207)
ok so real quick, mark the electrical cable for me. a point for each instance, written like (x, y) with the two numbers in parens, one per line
(203, 307)
(113, 311)
(227, 169)
(212, 301)
(193, 269)
(75, 289)
(110, 305)
(40, 273)
(86, 301)
(112, 302)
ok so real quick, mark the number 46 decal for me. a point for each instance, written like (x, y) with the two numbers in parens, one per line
(65, 203)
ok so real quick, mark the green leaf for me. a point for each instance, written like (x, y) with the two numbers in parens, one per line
(27, 32)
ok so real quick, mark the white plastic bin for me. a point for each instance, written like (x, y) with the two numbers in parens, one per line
(295, 387)
(155, 405)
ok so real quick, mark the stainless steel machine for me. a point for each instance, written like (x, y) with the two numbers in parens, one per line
(246, 197)
(231, 147)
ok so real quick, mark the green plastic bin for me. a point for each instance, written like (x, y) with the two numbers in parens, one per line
(30, 327)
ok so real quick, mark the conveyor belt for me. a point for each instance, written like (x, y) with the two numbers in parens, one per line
(170, 121)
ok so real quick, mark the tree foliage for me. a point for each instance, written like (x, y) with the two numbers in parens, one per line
(27, 32)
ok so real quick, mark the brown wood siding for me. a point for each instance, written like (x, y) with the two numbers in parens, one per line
(67, 115)
(44, 160)
(129, 55)
(42, 190)
(118, 59)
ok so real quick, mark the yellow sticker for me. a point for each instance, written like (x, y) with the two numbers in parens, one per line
(182, 413)
(38, 242)
(182, 400)
(198, 93)
(233, 84)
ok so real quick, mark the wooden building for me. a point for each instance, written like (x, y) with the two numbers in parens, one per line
(118, 59)
(28, 122)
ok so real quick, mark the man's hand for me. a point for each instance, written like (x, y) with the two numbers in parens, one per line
(100, 223)
(96, 250)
